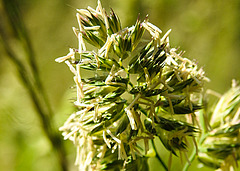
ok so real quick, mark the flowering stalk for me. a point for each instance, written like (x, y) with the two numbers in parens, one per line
(220, 148)
(138, 91)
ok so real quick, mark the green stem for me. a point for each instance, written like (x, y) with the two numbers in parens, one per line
(194, 152)
(158, 157)
(191, 158)
(204, 129)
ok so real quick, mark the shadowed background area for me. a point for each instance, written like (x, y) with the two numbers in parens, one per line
(209, 32)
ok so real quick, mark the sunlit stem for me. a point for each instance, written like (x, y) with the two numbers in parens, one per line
(158, 157)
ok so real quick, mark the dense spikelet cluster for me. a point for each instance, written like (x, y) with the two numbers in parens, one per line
(221, 147)
(135, 91)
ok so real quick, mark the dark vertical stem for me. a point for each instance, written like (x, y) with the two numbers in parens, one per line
(30, 79)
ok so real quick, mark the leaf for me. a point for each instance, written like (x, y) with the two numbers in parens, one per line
(113, 95)
(165, 103)
(116, 112)
(153, 92)
(140, 164)
(97, 21)
(119, 79)
(114, 23)
(228, 131)
(98, 141)
(136, 34)
(122, 44)
(123, 125)
(136, 64)
(143, 90)
(182, 85)
(165, 128)
(115, 165)
(176, 125)
(137, 89)
(221, 151)
(162, 135)
(209, 161)
(185, 109)
(148, 125)
(93, 39)
(107, 63)
(105, 90)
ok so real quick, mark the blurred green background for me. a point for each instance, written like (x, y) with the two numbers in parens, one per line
(209, 32)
